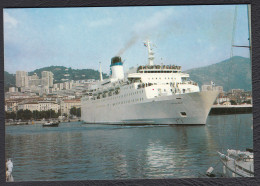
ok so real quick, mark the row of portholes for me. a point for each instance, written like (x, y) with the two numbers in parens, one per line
(131, 86)
(125, 95)
(160, 78)
(126, 102)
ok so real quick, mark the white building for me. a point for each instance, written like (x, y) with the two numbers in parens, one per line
(12, 89)
(237, 91)
(60, 86)
(34, 80)
(47, 79)
(66, 105)
(40, 106)
(66, 85)
(221, 100)
(11, 105)
(21, 79)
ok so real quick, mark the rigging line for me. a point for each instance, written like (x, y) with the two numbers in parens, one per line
(249, 30)
(232, 42)
(233, 31)
(239, 126)
(236, 128)
(223, 133)
(241, 46)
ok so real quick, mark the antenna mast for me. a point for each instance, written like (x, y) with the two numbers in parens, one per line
(150, 52)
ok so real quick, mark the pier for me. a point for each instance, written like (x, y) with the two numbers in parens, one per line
(230, 109)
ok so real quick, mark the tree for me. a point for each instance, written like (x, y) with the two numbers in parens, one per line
(79, 112)
(27, 115)
(233, 102)
(24, 114)
(73, 111)
(10, 115)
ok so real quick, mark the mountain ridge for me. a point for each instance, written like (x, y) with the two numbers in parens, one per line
(232, 73)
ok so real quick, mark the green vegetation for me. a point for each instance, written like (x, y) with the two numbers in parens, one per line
(75, 111)
(9, 80)
(234, 73)
(29, 115)
(59, 72)
(233, 102)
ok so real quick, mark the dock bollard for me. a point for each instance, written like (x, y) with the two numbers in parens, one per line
(209, 171)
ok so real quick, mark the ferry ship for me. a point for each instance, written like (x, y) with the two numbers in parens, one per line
(150, 94)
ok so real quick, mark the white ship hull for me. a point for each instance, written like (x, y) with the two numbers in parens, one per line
(182, 109)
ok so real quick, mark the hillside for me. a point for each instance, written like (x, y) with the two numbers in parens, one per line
(9, 80)
(61, 72)
(233, 73)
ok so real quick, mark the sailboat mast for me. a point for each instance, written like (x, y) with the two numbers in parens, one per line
(249, 29)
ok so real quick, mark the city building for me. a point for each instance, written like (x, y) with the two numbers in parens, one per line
(21, 79)
(222, 99)
(34, 81)
(40, 106)
(66, 105)
(237, 91)
(47, 79)
(11, 105)
(13, 89)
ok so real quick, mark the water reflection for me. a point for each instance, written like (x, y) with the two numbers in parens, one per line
(80, 152)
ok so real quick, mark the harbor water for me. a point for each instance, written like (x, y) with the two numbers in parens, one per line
(76, 151)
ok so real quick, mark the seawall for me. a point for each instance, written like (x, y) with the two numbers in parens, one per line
(230, 109)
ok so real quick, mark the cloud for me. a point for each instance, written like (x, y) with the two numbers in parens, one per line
(9, 21)
(152, 22)
(100, 22)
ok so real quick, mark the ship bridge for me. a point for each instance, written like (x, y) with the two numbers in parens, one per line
(159, 69)
(158, 74)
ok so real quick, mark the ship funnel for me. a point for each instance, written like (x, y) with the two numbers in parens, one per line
(116, 67)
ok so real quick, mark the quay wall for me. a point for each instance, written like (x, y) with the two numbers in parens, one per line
(231, 109)
(38, 122)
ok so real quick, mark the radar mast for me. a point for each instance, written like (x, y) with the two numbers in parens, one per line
(150, 52)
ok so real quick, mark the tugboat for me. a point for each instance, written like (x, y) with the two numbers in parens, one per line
(51, 124)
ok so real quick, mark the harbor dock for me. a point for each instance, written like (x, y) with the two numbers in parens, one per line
(39, 122)
(231, 109)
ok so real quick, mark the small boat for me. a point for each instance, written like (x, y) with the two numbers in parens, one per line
(9, 168)
(51, 124)
(238, 163)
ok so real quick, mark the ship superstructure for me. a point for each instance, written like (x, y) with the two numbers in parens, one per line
(151, 94)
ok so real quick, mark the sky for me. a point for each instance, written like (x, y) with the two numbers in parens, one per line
(80, 38)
